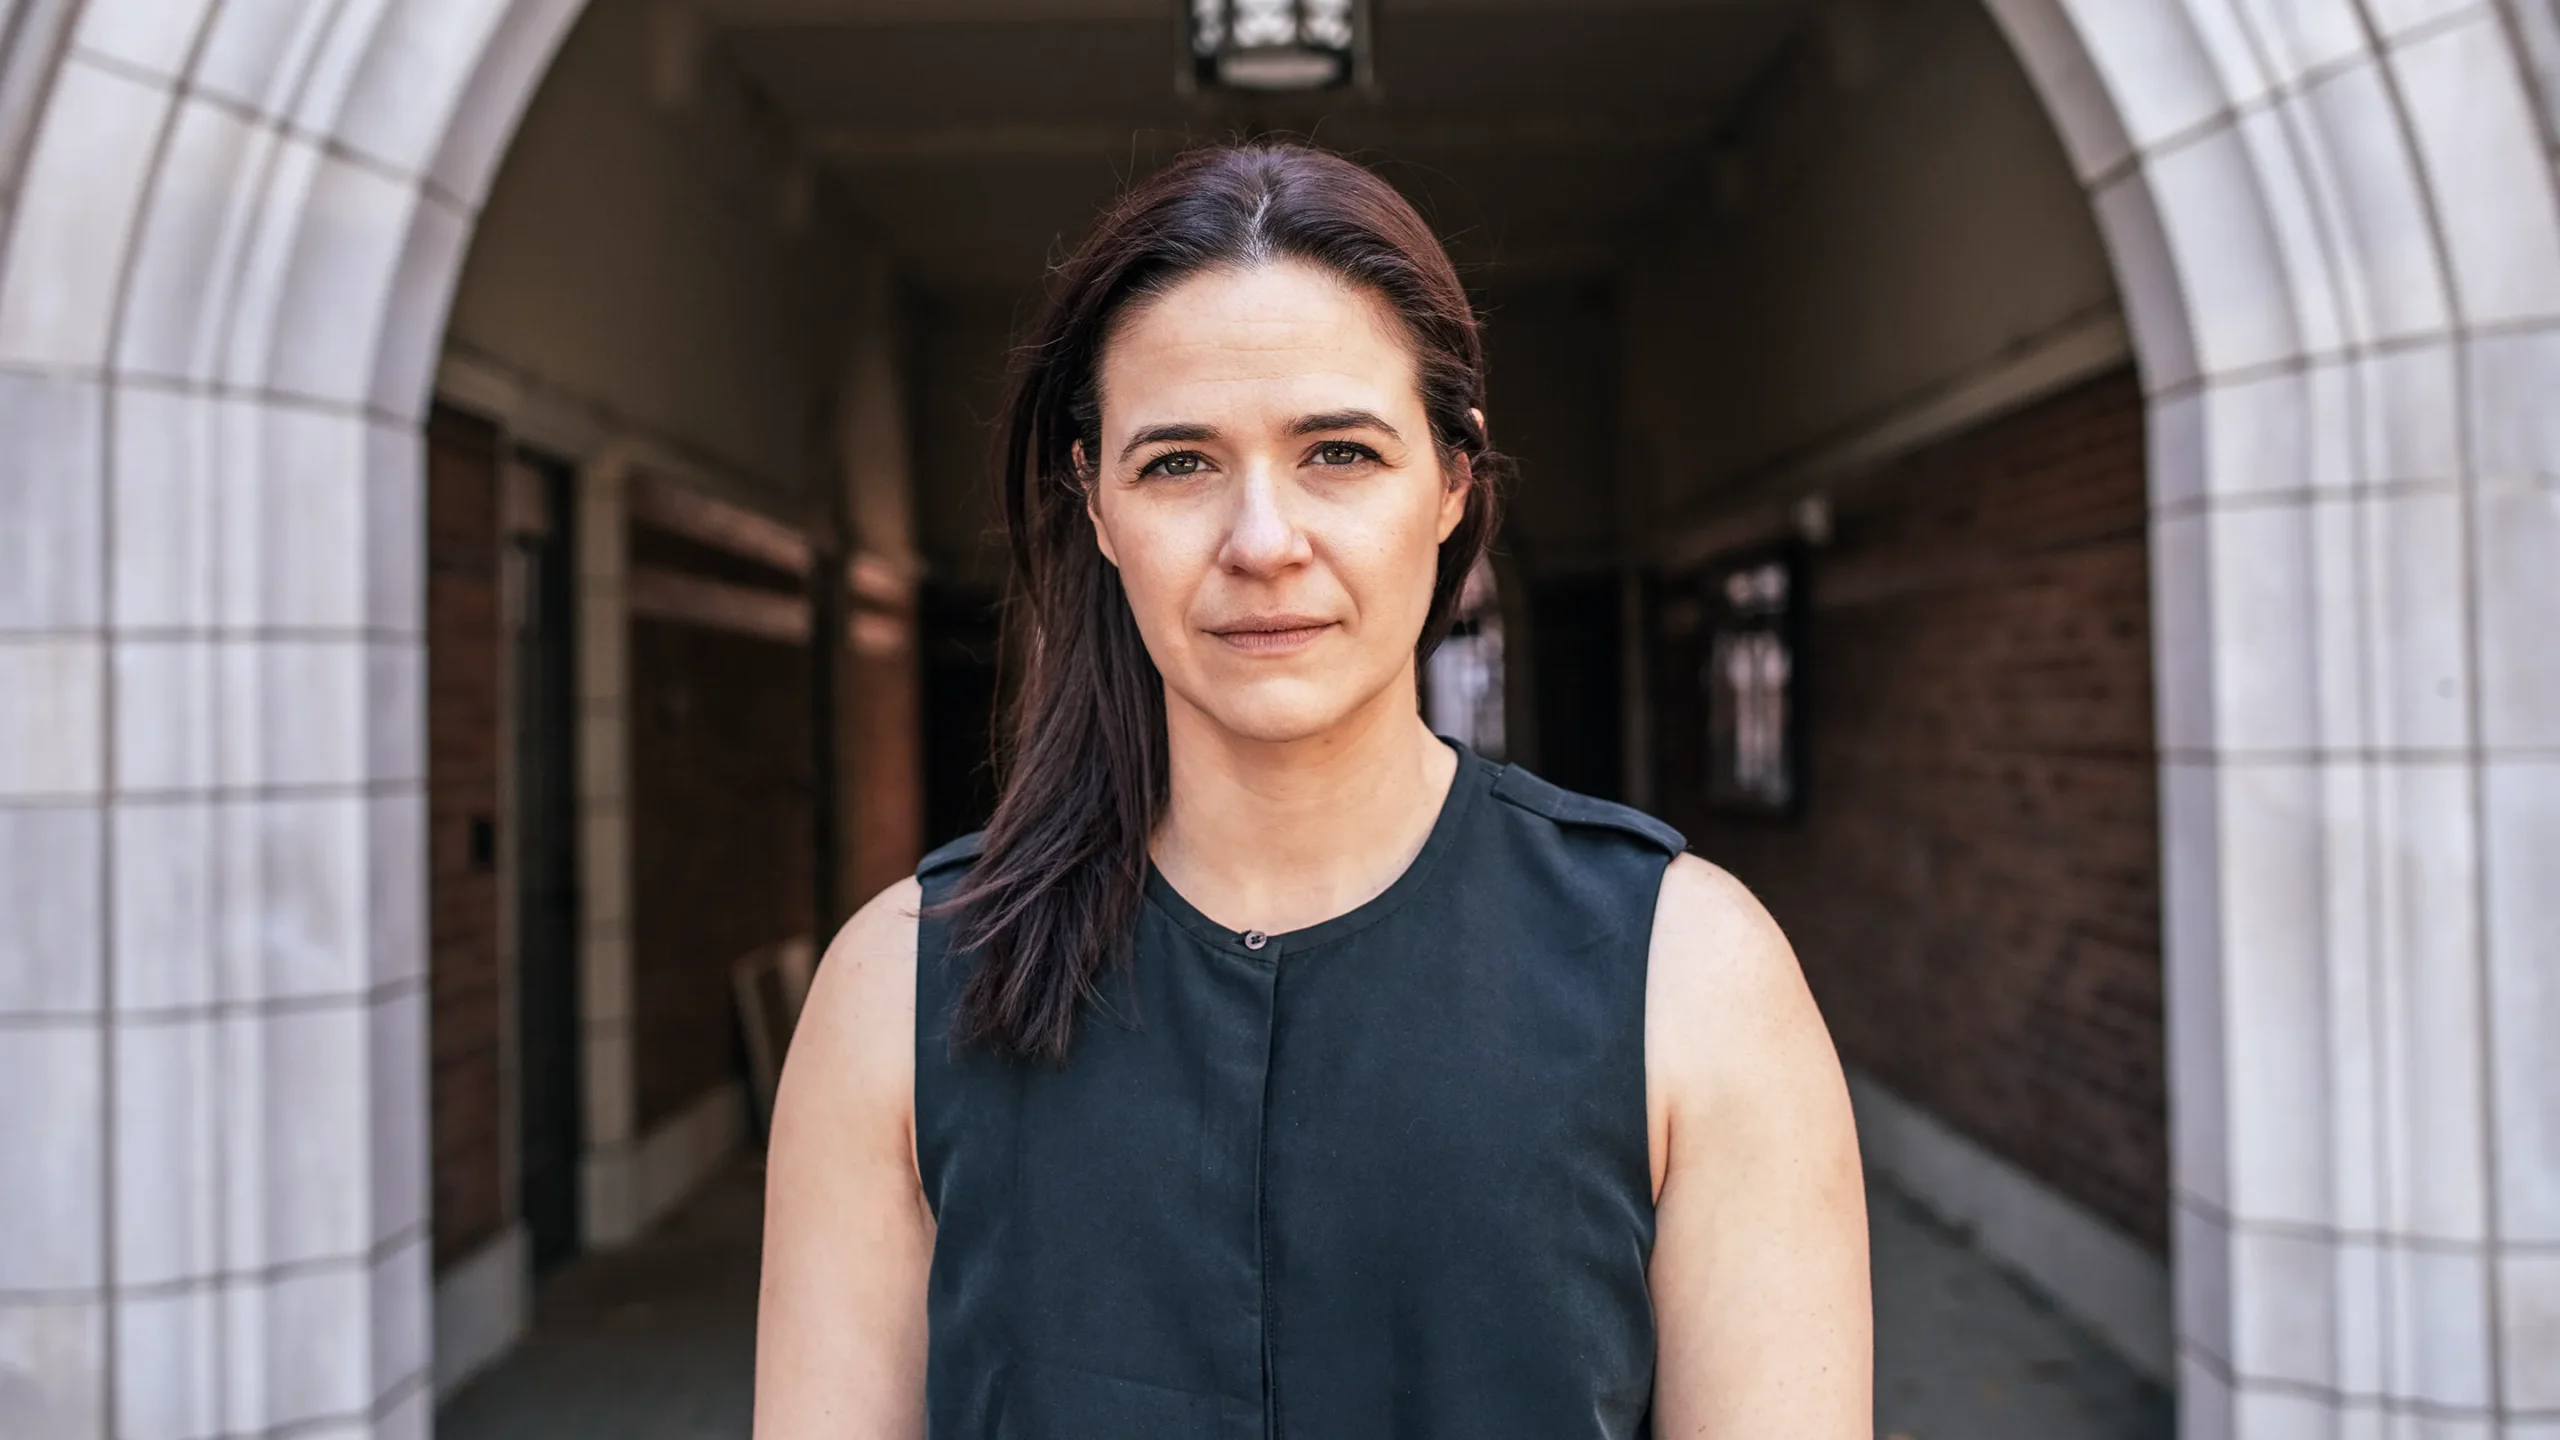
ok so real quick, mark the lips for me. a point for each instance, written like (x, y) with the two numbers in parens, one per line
(1271, 634)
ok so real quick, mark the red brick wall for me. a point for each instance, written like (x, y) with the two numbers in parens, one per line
(722, 854)
(464, 732)
(1974, 885)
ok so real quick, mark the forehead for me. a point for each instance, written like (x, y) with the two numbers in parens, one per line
(1284, 336)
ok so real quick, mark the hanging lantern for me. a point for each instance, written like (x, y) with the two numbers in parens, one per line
(1278, 44)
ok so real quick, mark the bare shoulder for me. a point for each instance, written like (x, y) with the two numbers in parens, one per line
(1719, 966)
(855, 1046)
(1759, 1269)
(848, 1238)
(1733, 1039)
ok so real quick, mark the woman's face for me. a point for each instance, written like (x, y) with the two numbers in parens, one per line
(1269, 489)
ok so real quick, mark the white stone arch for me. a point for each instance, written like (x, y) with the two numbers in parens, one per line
(233, 236)
(2334, 228)
(230, 242)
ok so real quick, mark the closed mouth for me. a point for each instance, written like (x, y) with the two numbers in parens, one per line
(1272, 633)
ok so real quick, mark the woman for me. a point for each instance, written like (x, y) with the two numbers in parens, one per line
(1272, 1067)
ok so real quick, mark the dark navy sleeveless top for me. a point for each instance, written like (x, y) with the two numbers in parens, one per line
(1386, 1176)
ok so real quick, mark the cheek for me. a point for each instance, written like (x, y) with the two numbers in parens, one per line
(1391, 555)
(1159, 558)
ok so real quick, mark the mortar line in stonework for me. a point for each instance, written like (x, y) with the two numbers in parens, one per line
(2362, 1400)
(213, 1011)
(2227, 116)
(409, 1236)
(222, 634)
(111, 377)
(2370, 1239)
(375, 788)
(2300, 497)
(2242, 757)
(184, 88)
(2452, 335)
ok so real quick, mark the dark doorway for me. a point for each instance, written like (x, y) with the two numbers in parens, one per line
(1576, 678)
(543, 597)
(963, 642)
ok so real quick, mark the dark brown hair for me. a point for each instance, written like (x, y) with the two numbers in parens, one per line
(1052, 898)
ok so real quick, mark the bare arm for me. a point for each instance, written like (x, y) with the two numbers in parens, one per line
(1760, 1252)
(840, 1326)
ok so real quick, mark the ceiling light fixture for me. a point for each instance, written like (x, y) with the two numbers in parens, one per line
(1272, 45)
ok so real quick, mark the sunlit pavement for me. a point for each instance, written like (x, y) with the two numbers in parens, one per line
(658, 1343)
(1963, 1352)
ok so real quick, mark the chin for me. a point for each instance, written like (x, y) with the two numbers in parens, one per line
(1277, 712)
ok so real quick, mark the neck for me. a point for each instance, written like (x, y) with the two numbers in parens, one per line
(1277, 836)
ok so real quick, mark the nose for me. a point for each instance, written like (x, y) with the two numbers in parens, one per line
(1263, 534)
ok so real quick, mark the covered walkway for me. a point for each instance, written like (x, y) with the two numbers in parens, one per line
(658, 1343)
(2059, 496)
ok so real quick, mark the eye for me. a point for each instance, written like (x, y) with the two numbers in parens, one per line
(1174, 466)
(1342, 452)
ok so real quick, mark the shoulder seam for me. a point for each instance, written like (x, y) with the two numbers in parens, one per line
(1525, 791)
(955, 854)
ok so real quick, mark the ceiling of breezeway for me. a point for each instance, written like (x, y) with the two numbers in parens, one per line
(975, 135)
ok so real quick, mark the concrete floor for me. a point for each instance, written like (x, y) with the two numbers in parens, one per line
(658, 1343)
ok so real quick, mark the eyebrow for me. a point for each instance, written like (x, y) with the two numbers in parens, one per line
(1315, 424)
(1158, 434)
(1318, 423)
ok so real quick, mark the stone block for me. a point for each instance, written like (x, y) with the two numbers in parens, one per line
(51, 911)
(188, 241)
(169, 1365)
(2228, 258)
(255, 54)
(166, 690)
(337, 293)
(310, 898)
(316, 1085)
(396, 886)
(2388, 260)
(2477, 134)
(2522, 833)
(167, 880)
(418, 57)
(2427, 923)
(2416, 652)
(2259, 646)
(2275, 990)
(76, 204)
(2148, 279)
(2529, 1330)
(52, 1113)
(53, 1368)
(52, 718)
(52, 510)
(397, 1095)
(2442, 1337)
(154, 35)
(395, 506)
(2284, 1308)
(2516, 595)
(168, 1117)
(2158, 70)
